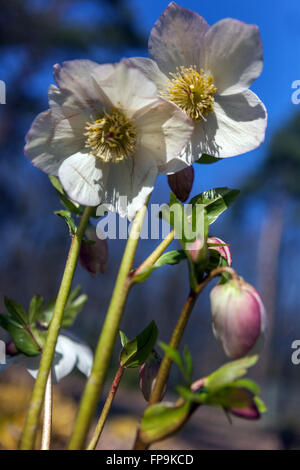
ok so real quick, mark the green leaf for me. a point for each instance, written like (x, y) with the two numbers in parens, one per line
(208, 159)
(35, 308)
(136, 351)
(73, 207)
(124, 339)
(71, 311)
(163, 420)
(74, 305)
(216, 201)
(20, 336)
(174, 355)
(260, 405)
(188, 363)
(248, 385)
(16, 310)
(229, 372)
(171, 258)
(67, 216)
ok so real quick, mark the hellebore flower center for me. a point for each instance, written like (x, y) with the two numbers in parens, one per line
(192, 91)
(111, 138)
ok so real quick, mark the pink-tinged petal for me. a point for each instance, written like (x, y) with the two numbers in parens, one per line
(151, 70)
(76, 76)
(237, 126)
(233, 55)
(223, 251)
(83, 178)
(129, 183)
(164, 131)
(177, 39)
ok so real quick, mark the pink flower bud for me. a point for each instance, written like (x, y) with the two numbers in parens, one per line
(195, 249)
(239, 317)
(94, 256)
(11, 349)
(224, 251)
(181, 183)
(148, 374)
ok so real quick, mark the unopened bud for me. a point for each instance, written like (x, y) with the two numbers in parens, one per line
(223, 249)
(148, 374)
(181, 183)
(10, 349)
(93, 256)
(239, 317)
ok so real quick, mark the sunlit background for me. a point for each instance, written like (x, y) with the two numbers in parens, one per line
(262, 228)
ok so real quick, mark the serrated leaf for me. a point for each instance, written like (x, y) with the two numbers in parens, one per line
(67, 216)
(208, 159)
(230, 372)
(35, 308)
(20, 336)
(163, 420)
(136, 351)
(216, 201)
(123, 337)
(174, 355)
(16, 310)
(73, 207)
(169, 258)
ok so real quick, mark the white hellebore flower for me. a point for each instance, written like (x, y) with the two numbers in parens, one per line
(207, 72)
(69, 353)
(107, 134)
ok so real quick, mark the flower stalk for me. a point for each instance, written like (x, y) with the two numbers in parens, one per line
(37, 397)
(47, 422)
(106, 409)
(107, 338)
(164, 370)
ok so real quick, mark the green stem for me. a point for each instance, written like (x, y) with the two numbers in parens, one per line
(37, 397)
(155, 254)
(165, 366)
(106, 409)
(107, 338)
(47, 421)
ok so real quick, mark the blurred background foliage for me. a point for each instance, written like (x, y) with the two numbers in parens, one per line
(262, 229)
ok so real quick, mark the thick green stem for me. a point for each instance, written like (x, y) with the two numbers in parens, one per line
(106, 409)
(107, 338)
(37, 398)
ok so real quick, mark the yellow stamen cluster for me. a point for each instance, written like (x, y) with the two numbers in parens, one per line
(111, 138)
(192, 91)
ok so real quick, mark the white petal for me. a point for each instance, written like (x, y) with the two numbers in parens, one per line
(128, 88)
(177, 38)
(164, 130)
(64, 358)
(83, 177)
(77, 77)
(84, 358)
(151, 70)
(237, 126)
(233, 55)
(129, 183)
